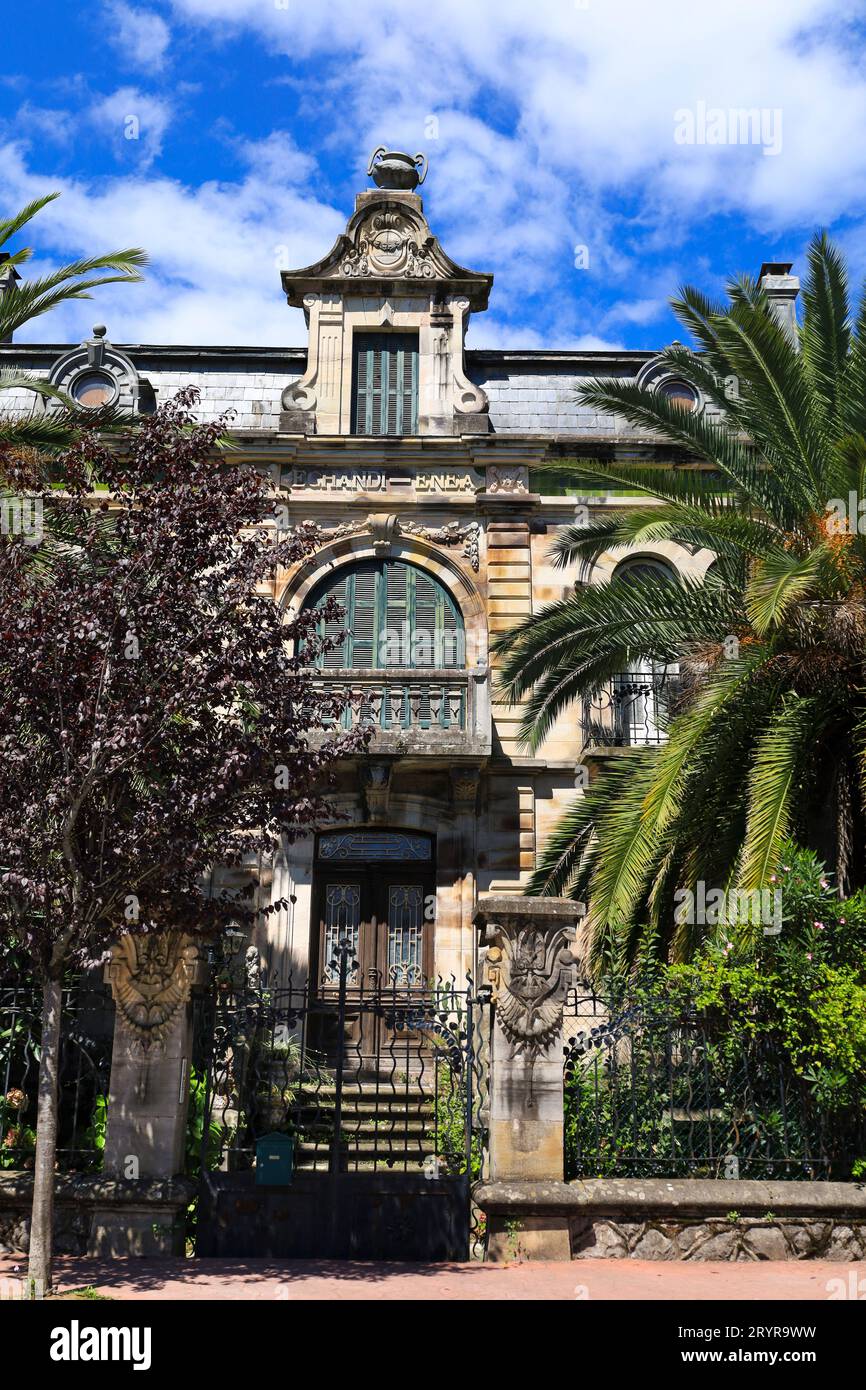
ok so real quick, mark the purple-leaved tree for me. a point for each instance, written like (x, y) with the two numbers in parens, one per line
(158, 714)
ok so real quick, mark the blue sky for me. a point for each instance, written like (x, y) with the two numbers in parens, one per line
(563, 139)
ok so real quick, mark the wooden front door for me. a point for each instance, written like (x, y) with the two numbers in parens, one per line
(383, 912)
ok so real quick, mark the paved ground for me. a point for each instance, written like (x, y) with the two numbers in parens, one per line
(343, 1280)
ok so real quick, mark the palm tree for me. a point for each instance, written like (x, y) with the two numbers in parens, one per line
(768, 735)
(23, 300)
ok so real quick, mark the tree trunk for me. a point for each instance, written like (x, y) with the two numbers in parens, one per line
(42, 1220)
(844, 830)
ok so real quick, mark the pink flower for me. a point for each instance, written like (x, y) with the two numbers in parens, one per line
(808, 955)
(819, 925)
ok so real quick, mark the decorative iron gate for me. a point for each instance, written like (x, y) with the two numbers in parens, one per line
(387, 1139)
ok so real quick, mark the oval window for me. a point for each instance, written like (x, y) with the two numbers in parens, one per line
(94, 389)
(680, 394)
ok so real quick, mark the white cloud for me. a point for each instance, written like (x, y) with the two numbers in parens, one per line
(487, 332)
(139, 36)
(134, 121)
(216, 250)
(591, 93)
(49, 123)
(636, 311)
(549, 128)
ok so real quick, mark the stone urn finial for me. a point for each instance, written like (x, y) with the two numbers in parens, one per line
(392, 169)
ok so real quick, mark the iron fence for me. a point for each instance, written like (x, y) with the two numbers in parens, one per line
(365, 1077)
(654, 1088)
(87, 1027)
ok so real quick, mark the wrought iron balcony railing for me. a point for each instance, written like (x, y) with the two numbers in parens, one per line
(433, 707)
(633, 712)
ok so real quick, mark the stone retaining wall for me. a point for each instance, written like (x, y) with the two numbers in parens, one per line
(99, 1215)
(676, 1219)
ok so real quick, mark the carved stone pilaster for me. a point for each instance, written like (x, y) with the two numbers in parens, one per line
(529, 964)
(151, 978)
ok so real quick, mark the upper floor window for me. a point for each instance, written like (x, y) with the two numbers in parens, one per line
(394, 615)
(385, 383)
(680, 394)
(638, 567)
(94, 389)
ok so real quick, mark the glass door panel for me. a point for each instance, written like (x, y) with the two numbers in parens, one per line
(404, 965)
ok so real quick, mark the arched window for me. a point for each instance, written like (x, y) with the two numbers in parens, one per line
(638, 567)
(641, 696)
(395, 616)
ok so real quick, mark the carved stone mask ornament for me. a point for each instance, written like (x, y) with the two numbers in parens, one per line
(531, 1001)
(151, 978)
(530, 963)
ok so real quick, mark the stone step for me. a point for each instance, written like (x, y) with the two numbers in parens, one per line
(371, 1090)
(391, 1132)
(309, 1158)
(420, 1109)
(362, 1165)
(379, 1144)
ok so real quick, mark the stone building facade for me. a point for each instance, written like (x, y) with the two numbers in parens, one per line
(421, 462)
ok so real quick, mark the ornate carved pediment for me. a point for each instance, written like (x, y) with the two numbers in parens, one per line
(387, 271)
(151, 978)
(388, 239)
(391, 242)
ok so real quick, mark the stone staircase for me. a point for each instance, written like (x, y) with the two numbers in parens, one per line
(384, 1127)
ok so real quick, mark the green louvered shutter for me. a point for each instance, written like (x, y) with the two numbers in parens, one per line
(395, 579)
(435, 625)
(385, 383)
(363, 618)
(395, 616)
(335, 659)
(425, 624)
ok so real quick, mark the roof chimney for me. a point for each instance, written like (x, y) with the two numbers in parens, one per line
(781, 288)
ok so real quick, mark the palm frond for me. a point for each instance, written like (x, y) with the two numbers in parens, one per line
(825, 335)
(777, 767)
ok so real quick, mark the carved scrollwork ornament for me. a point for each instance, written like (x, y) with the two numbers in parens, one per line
(385, 529)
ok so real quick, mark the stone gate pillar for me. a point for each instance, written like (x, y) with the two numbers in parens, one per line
(528, 963)
(151, 978)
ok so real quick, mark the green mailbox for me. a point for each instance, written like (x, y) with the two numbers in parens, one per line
(275, 1160)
